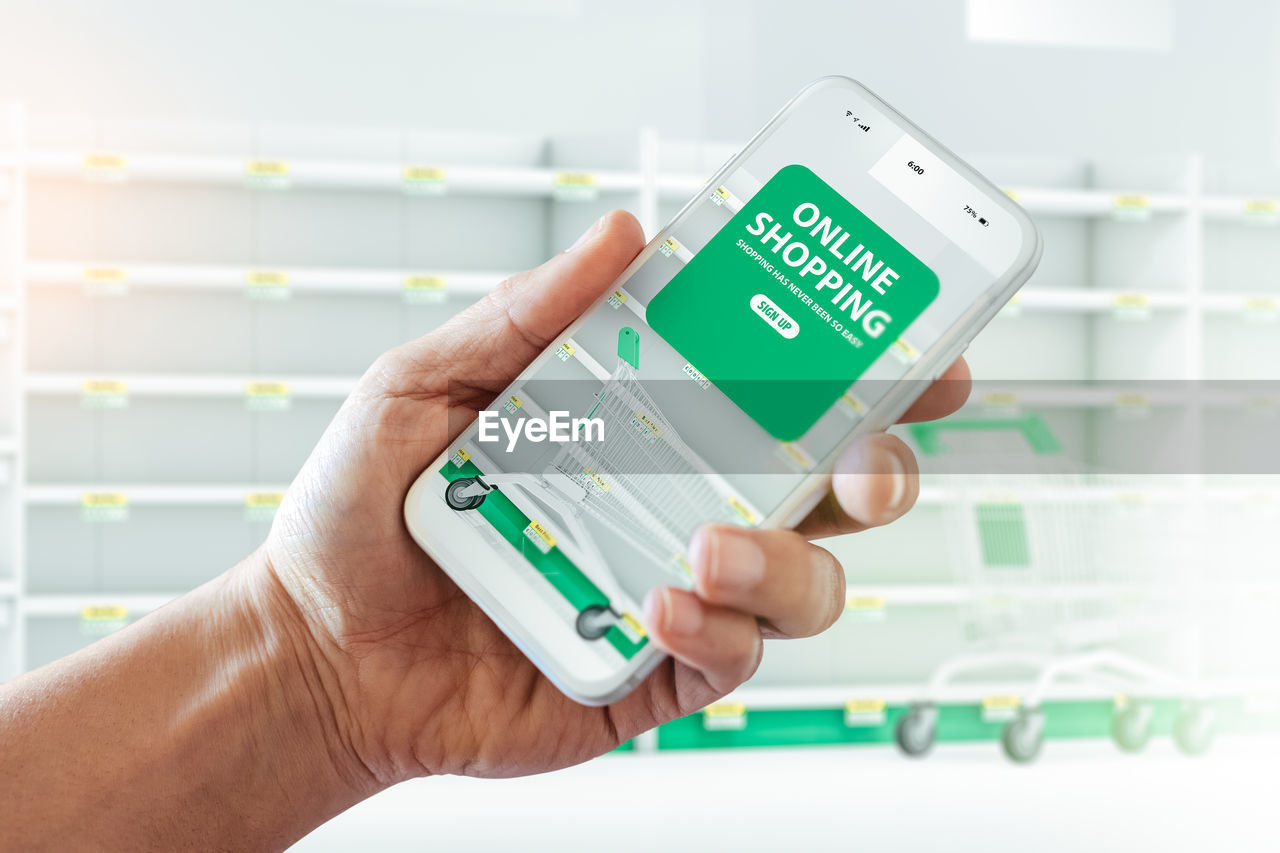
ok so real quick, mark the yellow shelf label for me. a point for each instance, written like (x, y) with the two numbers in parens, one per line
(904, 351)
(1132, 401)
(1131, 301)
(865, 602)
(104, 500)
(631, 626)
(643, 420)
(104, 613)
(864, 706)
(1001, 702)
(1260, 206)
(1131, 201)
(266, 278)
(112, 275)
(669, 247)
(104, 387)
(542, 533)
(424, 174)
(424, 282)
(743, 510)
(106, 162)
(565, 352)
(575, 180)
(1000, 399)
(263, 500)
(592, 479)
(1013, 194)
(852, 404)
(682, 563)
(1261, 304)
(266, 389)
(798, 455)
(267, 168)
(864, 712)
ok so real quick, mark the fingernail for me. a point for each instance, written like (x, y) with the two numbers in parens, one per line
(681, 613)
(588, 234)
(899, 475)
(726, 560)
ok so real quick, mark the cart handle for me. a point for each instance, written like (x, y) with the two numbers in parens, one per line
(928, 436)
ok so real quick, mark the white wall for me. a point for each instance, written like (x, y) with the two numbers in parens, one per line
(713, 68)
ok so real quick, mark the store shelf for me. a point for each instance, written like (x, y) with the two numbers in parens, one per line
(1257, 210)
(1088, 300)
(146, 494)
(1091, 202)
(75, 605)
(310, 173)
(1048, 201)
(191, 385)
(873, 597)
(1260, 305)
(239, 279)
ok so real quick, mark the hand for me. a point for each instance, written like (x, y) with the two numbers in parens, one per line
(416, 679)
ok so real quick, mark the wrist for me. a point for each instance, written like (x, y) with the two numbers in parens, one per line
(288, 694)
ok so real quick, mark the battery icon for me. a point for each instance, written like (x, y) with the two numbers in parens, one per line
(982, 221)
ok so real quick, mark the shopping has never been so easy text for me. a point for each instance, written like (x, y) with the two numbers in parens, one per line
(835, 248)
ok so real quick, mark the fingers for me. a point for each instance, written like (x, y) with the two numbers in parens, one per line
(944, 396)
(723, 644)
(488, 344)
(748, 585)
(793, 585)
(875, 481)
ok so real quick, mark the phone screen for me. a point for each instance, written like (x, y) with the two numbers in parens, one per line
(775, 314)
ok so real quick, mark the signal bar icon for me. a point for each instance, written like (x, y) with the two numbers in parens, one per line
(866, 128)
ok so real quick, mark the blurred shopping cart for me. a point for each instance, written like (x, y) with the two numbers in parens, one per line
(1067, 578)
(640, 480)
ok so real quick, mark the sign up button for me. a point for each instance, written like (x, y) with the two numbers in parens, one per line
(773, 315)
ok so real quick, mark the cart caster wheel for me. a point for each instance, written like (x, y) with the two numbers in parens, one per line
(917, 730)
(594, 622)
(1023, 736)
(460, 502)
(1193, 730)
(1131, 726)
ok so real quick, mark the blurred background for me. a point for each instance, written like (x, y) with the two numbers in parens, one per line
(214, 216)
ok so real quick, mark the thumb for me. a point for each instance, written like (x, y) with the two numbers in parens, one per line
(488, 344)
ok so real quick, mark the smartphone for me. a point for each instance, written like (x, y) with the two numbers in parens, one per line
(806, 295)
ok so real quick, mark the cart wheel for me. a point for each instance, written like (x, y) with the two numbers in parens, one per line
(917, 730)
(592, 622)
(1193, 730)
(1131, 727)
(1023, 736)
(461, 504)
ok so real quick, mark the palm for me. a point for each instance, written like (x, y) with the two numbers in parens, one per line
(411, 649)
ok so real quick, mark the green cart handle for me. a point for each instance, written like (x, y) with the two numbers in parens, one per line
(1042, 441)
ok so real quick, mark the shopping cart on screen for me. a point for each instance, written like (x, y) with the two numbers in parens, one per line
(1063, 574)
(640, 480)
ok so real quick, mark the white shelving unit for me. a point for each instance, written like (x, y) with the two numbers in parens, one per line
(288, 249)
